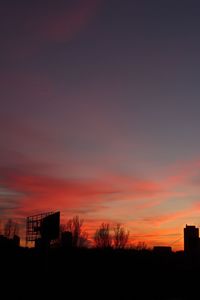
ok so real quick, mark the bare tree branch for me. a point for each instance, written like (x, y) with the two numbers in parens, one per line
(102, 237)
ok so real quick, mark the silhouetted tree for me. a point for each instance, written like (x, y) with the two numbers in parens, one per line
(62, 228)
(141, 246)
(120, 237)
(11, 229)
(103, 237)
(79, 237)
(83, 240)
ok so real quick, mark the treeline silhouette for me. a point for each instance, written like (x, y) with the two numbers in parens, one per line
(110, 270)
(73, 234)
(104, 237)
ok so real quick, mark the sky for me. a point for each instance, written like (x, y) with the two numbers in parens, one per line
(99, 113)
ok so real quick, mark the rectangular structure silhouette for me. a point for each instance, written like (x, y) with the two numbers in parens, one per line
(162, 249)
(191, 238)
(50, 226)
(44, 226)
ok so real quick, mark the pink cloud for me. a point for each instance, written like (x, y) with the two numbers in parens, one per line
(42, 192)
(64, 25)
(182, 172)
(37, 190)
(43, 24)
(36, 193)
(174, 216)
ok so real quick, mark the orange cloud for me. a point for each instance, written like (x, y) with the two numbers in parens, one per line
(169, 217)
(42, 192)
(135, 201)
(182, 173)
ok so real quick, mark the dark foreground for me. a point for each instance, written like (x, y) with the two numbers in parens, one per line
(98, 274)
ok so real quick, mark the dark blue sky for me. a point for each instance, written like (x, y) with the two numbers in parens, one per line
(103, 93)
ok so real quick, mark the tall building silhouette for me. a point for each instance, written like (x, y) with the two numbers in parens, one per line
(191, 238)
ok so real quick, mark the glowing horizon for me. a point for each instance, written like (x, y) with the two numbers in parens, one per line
(100, 114)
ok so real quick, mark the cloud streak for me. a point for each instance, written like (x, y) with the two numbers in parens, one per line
(60, 26)
(44, 192)
(31, 29)
(29, 186)
(26, 191)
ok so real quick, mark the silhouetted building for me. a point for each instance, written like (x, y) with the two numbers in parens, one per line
(162, 249)
(191, 238)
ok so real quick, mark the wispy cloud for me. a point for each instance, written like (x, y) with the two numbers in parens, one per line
(63, 25)
(42, 24)
(30, 185)
(158, 220)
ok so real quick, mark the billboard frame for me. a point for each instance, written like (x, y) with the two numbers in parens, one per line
(34, 225)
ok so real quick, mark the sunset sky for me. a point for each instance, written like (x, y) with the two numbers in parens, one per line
(100, 113)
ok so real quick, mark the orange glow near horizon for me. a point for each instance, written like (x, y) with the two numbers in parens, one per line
(99, 114)
(134, 202)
